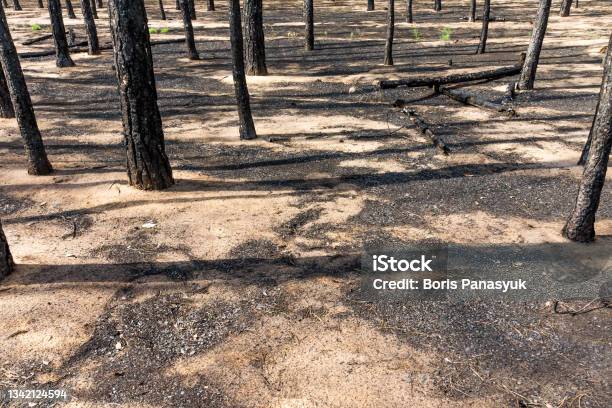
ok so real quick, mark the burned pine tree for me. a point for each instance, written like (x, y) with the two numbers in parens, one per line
(148, 167)
(566, 7)
(472, 17)
(17, 5)
(6, 105)
(247, 127)
(40, 4)
(390, 33)
(90, 28)
(370, 5)
(254, 40)
(70, 9)
(309, 25)
(38, 164)
(94, 9)
(192, 52)
(192, 10)
(484, 33)
(437, 5)
(409, 17)
(100, 3)
(6, 259)
(580, 225)
(162, 12)
(528, 74)
(59, 35)
(210, 5)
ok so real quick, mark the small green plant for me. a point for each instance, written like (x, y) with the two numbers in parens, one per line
(36, 27)
(153, 30)
(164, 30)
(445, 35)
(416, 34)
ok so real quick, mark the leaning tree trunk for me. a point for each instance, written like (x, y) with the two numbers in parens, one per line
(6, 259)
(530, 66)
(38, 163)
(566, 6)
(580, 225)
(162, 12)
(254, 40)
(472, 17)
(148, 167)
(210, 6)
(6, 105)
(309, 24)
(192, 52)
(484, 33)
(94, 9)
(59, 35)
(587, 146)
(409, 17)
(247, 127)
(192, 10)
(16, 5)
(70, 9)
(390, 33)
(437, 5)
(90, 28)
(370, 5)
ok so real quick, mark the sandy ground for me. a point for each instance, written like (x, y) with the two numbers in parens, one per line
(243, 291)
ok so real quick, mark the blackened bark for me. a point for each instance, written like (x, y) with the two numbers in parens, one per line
(192, 10)
(38, 163)
(16, 5)
(90, 28)
(100, 4)
(6, 105)
(370, 5)
(472, 17)
(484, 33)
(70, 9)
(390, 33)
(210, 5)
(59, 35)
(148, 167)
(5, 3)
(40, 4)
(254, 40)
(192, 52)
(528, 74)
(409, 17)
(580, 225)
(247, 127)
(162, 12)
(309, 25)
(566, 6)
(94, 9)
(587, 146)
(437, 5)
(178, 5)
(6, 259)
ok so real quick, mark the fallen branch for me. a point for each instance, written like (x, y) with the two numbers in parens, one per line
(423, 127)
(38, 39)
(463, 96)
(456, 78)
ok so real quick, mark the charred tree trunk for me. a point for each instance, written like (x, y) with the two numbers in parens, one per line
(100, 3)
(192, 52)
(370, 5)
(390, 33)
(309, 23)
(254, 38)
(437, 5)
(587, 146)
(484, 33)
(59, 35)
(16, 5)
(566, 7)
(247, 127)
(148, 167)
(6, 259)
(162, 12)
(530, 67)
(40, 3)
(472, 17)
(580, 225)
(192, 10)
(90, 28)
(94, 9)
(409, 17)
(6, 105)
(38, 163)
(70, 9)
(210, 5)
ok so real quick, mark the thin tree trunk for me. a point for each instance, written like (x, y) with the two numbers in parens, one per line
(390, 33)
(59, 35)
(566, 6)
(192, 10)
(5, 3)
(6, 105)
(148, 167)
(189, 37)
(530, 67)
(178, 5)
(309, 24)
(587, 146)
(38, 163)
(254, 40)
(16, 5)
(247, 127)
(162, 12)
(472, 17)
(100, 4)
(437, 5)
(409, 17)
(94, 9)
(370, 5)
(90, 28)
(210, 5)
(484, 33)
(6, 259)
(580, 225)
(41, 4)
(70, 9)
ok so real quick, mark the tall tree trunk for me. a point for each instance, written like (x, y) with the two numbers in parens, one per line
(6, 105)
(192, 10)
(6, 259)
(587, 146)
(370, 5)
(16, 5)
(254, 38)
(580, 225)
(566, 6)
(192, 52)
(178, 5)
(210, 5)
(59, 35)
(162, 12)
(247, 127)
(437, 5)
(309, 24)
(530, 66)
(390, 33)
(148, 167)
(69, 9)
(90, 28)
(472, 17)
(41, 4)
(38, 163)
(94, 9)
(409, 17)
(484, 33)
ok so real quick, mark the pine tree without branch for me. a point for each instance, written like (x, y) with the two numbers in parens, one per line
(390, 33)
(59, 35)
(255, 48)
(192, 52)
(309, 25)
(90, 28)
(530, 67)
(70, 9)
(484, 33)
(6, 259)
